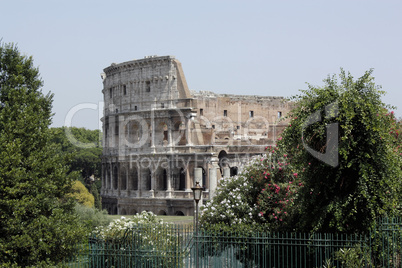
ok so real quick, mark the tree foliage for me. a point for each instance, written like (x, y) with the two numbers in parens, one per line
(352, 170)
(336, 167)
(37, 220)
(85, 148)
(81, 194)
(86, 155)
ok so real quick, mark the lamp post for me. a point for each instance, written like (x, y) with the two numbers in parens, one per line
(197, 191)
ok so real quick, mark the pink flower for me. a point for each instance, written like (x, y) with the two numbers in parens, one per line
(294, 174)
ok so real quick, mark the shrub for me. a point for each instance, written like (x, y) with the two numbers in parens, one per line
(260, 198)
(92, 217)
(139, 241)
(81, 194)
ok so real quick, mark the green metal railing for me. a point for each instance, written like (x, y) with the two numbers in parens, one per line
(175, 246)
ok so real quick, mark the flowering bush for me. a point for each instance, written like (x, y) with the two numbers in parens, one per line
(261, 197)
(140, 241)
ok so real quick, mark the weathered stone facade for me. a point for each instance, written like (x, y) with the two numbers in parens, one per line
(158, 134)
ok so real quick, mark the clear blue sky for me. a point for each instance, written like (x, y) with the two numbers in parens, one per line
(240, 47)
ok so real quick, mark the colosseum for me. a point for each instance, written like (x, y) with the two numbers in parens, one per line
(160, 137)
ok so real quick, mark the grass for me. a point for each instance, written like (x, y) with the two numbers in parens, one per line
(171, 219)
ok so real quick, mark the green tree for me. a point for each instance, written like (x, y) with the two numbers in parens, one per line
(336, 167)
(86, 155)
(341, 136)
(37, 220)
(86, 158)
(81, 194)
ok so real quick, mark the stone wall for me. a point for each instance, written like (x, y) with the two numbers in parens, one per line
(157, 132)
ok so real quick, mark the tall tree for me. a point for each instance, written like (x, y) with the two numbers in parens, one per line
(85, 159)
(341, 137)
(37, 220)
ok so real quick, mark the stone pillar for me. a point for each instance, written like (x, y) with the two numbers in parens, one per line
(188, 180)
(139, 181)
(110, 175)
(188, 131)
(226, 172)
(170, 137)
(213, 182)
(153, 181)
(169, 178)
(198, 175)
(153, 129)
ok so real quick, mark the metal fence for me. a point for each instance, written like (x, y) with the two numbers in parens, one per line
(176, 246)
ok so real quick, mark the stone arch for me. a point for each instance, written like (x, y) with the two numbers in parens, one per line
(162, 212)
(179, 133)
(223, 160)
(123, 211)
(161, 134)
(136, 131)
(161, 179)
(133, 211)
(179, 213)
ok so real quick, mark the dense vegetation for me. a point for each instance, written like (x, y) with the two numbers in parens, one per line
(38, 223)
(85, 148)
(337, 166)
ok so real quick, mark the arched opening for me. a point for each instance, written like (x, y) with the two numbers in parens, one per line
(123, 178)
(179, 133)
(233, 171)
(162, 134)
(162, 212)
(134, 179)
(179, 213)
(132, 132)
(182, 179)
(114, 210)
(164, 180)
(115, 178)
(133, 211)
(123, 212)
(223, 160)
(147, 179)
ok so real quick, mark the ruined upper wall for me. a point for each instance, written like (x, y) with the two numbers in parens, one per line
(136, 85)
